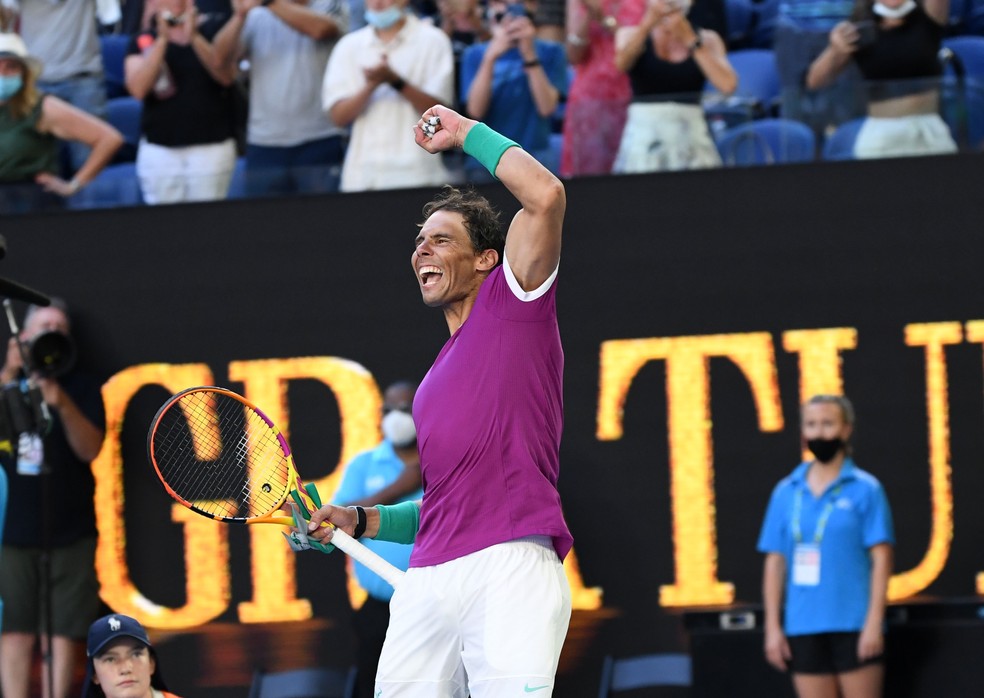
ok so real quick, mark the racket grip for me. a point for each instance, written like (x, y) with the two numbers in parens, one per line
(357, 551)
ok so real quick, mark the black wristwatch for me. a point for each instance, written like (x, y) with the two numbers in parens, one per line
(398, 84)
(266, 3)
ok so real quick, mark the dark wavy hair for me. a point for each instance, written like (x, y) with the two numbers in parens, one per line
(481, 219)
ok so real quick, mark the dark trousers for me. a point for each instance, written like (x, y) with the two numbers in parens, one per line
(370, 623)
(308, 168)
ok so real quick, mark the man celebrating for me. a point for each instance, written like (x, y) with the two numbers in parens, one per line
(484, 607)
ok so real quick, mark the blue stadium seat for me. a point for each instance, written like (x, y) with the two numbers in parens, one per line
(757, 93)
(237, 187)
(957, 22)
(767, 142)
(751, 23)
(116, 185)
(962, 94)
(124, 114)
(314, 682)
(644, 671)
(974, 18)
(840, 144)
(970, 52)
(758, 74)
(113, 54)
(740, 18)
(766, 16)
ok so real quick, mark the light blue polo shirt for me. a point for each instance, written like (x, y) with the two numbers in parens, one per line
(859, 518)
(366, 474)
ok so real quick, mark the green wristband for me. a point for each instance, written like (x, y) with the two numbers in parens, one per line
(486, 146)
(398, 523)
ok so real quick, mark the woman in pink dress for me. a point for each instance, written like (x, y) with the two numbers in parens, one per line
(599, 93)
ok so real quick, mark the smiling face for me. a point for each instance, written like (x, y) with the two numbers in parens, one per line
(124, 669)
(448, 267)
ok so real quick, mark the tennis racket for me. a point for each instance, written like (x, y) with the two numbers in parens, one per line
(221, 457)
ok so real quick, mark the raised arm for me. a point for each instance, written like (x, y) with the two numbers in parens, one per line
(533, 240)
(832, 61)
(225, 44)
(298, 17)
(222, 74)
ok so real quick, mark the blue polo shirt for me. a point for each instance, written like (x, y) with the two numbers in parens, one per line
(859, 518)
(366, 474)
(512, 111)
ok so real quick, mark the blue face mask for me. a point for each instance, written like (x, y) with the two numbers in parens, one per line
(384, 19)
(10, 85)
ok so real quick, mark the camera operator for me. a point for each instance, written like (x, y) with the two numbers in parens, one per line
(50, 481)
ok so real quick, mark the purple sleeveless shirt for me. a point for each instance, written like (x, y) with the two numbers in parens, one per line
(489, 415)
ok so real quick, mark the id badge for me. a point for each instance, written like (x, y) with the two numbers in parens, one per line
(806, 565)
(30, 454)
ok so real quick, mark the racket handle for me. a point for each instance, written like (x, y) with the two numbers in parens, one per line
(356, 550)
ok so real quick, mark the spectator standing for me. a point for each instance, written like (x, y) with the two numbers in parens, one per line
(827, 539)
(387, 474)
(187, 151)
(899, 61)
(30, 123)
(291, 144)
(669, 56)
(63, 36)
(379, 79)
(40, 511)
(464, 23)
(599, 94)
(800, 35)
(513, 82)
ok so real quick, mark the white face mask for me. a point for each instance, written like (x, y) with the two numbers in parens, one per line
(398, 429)
(894, 12)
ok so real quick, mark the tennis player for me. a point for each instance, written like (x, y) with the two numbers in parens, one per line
(485, 606)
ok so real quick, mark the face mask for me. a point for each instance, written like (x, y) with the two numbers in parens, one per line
(894, 12)
(10, 85)
(398, 429)
(825, 449)
(384, 19)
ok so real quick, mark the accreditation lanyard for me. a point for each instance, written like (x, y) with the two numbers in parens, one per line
(806, 556)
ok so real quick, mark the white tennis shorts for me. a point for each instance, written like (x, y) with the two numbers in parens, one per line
(488, 624)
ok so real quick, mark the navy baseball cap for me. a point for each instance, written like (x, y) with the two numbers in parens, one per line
(104, 631)
(111, 627)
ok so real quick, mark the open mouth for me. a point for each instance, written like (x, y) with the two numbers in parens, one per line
(429, 275)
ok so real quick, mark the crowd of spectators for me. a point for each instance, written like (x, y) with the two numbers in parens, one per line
(268, 97)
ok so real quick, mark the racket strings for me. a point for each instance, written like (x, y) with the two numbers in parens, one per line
(221, 456)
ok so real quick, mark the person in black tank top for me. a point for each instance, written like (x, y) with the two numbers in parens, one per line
(895, 44)
(669, 58)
